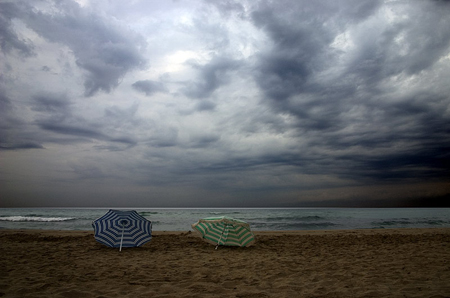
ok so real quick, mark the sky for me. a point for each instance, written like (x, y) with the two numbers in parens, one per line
(223, 103)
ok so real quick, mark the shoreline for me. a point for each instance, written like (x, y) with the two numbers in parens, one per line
(318, 263)
(403, 231)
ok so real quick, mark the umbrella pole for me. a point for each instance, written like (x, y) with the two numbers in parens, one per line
(220, 236)
(121, 239)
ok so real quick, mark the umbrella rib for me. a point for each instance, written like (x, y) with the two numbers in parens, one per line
(121, 239)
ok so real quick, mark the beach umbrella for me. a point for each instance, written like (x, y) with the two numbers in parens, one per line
(224, 230)
(119, 228)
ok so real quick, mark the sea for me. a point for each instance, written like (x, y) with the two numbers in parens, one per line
(260, 219)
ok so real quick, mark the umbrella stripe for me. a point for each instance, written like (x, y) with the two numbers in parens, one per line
(239, 239)
(212, 228)
(125, 234)
(214, 239)
(114, 241)
(249, 241)
(132, 233)
(236, 233)
(213, 234)
(218, 231)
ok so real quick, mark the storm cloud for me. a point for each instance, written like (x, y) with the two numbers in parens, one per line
(224, 103)
(149, 87)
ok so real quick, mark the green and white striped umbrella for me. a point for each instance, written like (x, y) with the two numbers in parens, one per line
(224, 230)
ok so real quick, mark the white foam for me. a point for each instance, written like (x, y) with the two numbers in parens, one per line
(32, 218)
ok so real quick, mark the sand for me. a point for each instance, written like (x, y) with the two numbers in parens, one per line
(352, 263)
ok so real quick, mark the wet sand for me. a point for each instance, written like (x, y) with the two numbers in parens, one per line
(352, 263)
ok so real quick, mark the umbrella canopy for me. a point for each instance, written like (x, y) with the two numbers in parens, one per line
(122, 229)
(224, 230)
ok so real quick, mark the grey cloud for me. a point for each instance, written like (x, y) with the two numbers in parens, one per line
(213, 34)
(408, 46)
(9, 40)
(423, 43)
(107, 64)
(203, 140)
(124, 140)
(354, 11)
(73, 130)
(286, 96)
(17, 146)
(5, 102)
(116, 114)
(164, 137)
(56, 116)
(289, 75)
(54, 104)
(299, 44)
(228, 7)
(429, 162)
(149, 87)
(212, 76)
(90, 171)
(281, 77)
(105, 51)
(205, 105)
(85, 132)
(13, 132)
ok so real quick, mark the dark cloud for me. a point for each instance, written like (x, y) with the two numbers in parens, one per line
(5, 103)
(407, 47)
(149, 87)
(107, 64)
(56, 116)
(205, 105)
(22, 146)
(299, 47)
(204, 140)
(228, 7)
(13, 132)
(85, 133)
(9, 40)
(354, 11)
(73, 130)
(212, 76)
(290, 71)
(53, 104)
(409, 202)
(257, 102)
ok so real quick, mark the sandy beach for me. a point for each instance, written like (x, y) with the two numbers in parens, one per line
(351, 263)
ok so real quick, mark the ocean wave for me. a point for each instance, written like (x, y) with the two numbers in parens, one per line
(35, 219)
(392, 222)
(222, 212)
(294, 218)
(434, 222)
(310, 225)
(431, 222)
(293, 226)
(148, 213)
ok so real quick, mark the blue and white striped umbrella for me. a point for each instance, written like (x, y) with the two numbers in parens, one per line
(122, 229)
